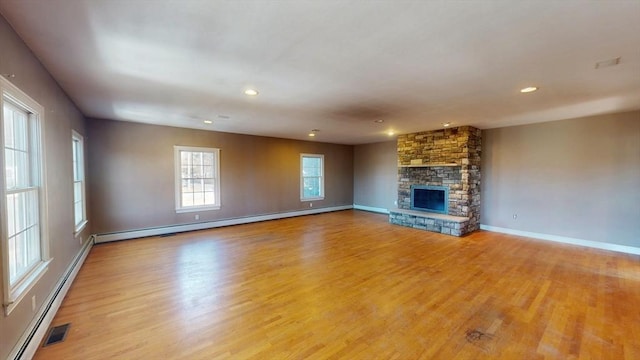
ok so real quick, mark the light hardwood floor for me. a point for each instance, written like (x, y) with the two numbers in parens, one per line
(348, 285)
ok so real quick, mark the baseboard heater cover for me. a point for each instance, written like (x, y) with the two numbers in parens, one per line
(158, 231)
(371, 209)
(565, 240)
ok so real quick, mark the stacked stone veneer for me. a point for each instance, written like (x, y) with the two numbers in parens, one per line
(452, 157)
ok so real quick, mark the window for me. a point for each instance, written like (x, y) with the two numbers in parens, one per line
(24, 245)
(312, 177)
(197, 178)
(79, 203)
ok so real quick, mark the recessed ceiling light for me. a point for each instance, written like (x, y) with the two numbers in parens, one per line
(312, 134)
(447, 124)
(251, 92)
(208, 122)
(379, 121)
(390, 133)
(529, 89)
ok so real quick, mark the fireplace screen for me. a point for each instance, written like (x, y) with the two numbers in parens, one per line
(430, 198)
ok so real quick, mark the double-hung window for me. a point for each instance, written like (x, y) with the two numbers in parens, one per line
(79, 202)
(197, 172)
(24, 238)
(311, 177)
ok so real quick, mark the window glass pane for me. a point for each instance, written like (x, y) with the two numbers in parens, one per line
(32, 210)
(311, 187)
(185, 156)
(196, 158)
(33, 245)
(77, 212)
(196, 171)
(198, 185)
(198, 199)
(310, 162)
(12, 258)
(313, 171)
(208, 159)
(20, 131)
(208, 171)
(18, 256)
(20, 215)
(10, 169)
(22, 169)
(209, 185)
(185, 172)
(11, 219)
(209, 198)
(8, 127)
(186, 187)
(187, 199)
(77, 191)
(74, 152)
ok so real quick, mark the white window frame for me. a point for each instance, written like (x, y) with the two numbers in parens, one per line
(14, 293)
(78, 178)
(178, 178)
(302, 177)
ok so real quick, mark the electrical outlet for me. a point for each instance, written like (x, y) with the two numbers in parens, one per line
(515, 216)
(33, 303)
(310, 204)
(197, 216)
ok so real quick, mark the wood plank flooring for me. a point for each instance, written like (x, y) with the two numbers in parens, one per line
(349, 285)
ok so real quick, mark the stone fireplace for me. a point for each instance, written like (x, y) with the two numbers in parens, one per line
(447, 158)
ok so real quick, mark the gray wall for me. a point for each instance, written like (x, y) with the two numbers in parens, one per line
(60, 117)
(577, 178)
(132, 171)
(375, 169)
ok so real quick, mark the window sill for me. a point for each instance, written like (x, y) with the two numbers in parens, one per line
(17, 294)
(312, 199)
(80, 227)
(195, 209)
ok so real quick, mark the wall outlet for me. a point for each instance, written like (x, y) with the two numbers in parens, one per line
(310, 204)
(197, 217)
(515, 216)
(33, 303)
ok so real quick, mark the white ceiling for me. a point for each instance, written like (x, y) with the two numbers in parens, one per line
(336, 66)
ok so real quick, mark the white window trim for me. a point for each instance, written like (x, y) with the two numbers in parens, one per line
(78, 229)
(13, 295)
(178, 179)
(302, 197)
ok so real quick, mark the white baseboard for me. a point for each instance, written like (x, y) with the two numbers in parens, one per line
(133, 234)
(565, 240)
(371, 209)
(32, 337)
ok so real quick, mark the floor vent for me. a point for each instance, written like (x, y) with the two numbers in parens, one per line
(57, 334)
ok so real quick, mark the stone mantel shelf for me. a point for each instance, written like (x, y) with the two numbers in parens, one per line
(428, 165)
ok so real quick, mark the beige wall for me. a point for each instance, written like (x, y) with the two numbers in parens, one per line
(132, 173)
(577, 178)
(60, 117)
(375, 169)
